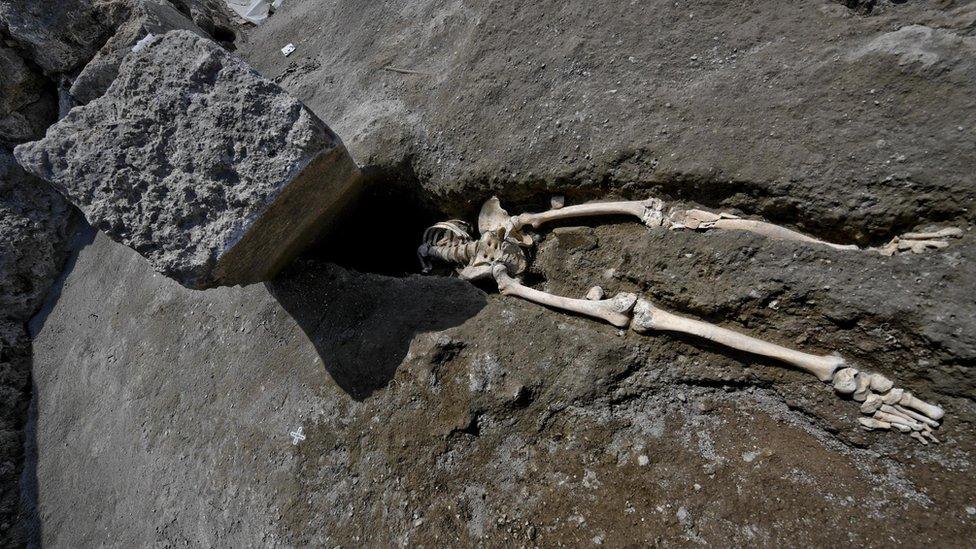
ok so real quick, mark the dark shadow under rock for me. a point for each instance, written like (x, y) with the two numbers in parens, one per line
(362, 324)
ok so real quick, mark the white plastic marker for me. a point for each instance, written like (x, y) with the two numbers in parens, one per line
(286, 51)
(297, 436)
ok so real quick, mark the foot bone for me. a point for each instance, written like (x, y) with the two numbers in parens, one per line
(888, 407)
(917, 243)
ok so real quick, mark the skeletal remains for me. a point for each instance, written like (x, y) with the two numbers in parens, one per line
(500, 253)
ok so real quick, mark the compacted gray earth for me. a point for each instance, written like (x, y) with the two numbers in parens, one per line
(439, 413)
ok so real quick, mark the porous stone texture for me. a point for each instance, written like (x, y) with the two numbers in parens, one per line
(198, 163)
(60, 36)
(33, 222)
(145, 17)
(27, 101)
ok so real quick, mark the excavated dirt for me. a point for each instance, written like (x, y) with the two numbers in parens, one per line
(438, 413)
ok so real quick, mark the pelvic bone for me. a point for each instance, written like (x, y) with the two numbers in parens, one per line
(499, 254)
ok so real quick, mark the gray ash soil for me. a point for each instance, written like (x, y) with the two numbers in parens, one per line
(436, 414)
(441, 414)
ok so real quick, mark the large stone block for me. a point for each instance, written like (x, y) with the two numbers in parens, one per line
(210, 171)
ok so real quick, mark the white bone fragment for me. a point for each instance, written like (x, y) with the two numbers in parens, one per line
(648, 317)
(918, 436)
(845, 381)
(872, 404)
(648, 211)
(917, 416)
(948, 232)
(493, 217)
(898, 420)
(893, 396)
(881, 384)
(909, 401)
(863, 387)
(920, 242)
(909, 420)
(557, 201)
(701, 220)
(615, 310)
(595, 294)
(870, 424)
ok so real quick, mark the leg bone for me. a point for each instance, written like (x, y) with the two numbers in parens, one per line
(648, 211)
(648, 317)
(702, 220)
(615, 310)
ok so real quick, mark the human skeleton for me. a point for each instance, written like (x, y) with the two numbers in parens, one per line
(500, 253)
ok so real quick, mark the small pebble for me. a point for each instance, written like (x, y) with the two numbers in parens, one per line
(643, 460)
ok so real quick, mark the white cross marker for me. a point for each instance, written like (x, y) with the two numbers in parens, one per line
(297, 436)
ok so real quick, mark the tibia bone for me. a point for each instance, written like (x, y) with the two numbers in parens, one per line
(648, 317)
(702, 220)
(615, 310)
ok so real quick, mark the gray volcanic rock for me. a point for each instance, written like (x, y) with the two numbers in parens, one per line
(146, 17)
(33, 219)
(60, 37)
(213, 173)
(26, 106)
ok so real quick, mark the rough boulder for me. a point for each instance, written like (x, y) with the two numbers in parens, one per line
(191, 158)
